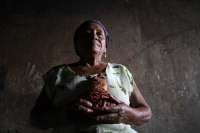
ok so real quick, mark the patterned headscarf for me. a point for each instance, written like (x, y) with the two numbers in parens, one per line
(95, 21)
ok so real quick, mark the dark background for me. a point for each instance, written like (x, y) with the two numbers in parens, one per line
(158, 41)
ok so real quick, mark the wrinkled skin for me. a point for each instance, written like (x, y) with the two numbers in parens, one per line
(117, 113)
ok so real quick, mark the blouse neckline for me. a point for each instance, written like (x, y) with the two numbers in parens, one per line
(88, 74)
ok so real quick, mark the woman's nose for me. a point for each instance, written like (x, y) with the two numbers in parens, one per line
(94, 35)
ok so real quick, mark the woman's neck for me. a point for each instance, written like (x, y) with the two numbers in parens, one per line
(88, 66)
(90, 61)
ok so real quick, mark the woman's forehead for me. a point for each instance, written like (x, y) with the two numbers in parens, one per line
(92, 25)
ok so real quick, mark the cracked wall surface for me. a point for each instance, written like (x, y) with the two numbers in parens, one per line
(158, 41)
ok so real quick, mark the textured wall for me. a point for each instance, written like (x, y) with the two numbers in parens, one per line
(158, 40)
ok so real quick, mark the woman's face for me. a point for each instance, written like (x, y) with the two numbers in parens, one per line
(91, 40)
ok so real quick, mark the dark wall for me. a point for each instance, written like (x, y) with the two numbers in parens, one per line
(158, 40)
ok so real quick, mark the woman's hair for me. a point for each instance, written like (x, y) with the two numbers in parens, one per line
(76, 33)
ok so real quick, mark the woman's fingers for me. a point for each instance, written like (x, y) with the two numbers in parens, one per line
(112, 117)
(85, 103)
(113, 109)
(79, 109)
(83, 106)
(115, 114)
(84, 109)
(115, 100)
(111, 114)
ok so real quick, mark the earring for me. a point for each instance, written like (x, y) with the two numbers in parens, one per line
(105, 54)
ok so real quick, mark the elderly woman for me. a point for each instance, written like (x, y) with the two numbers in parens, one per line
(60, 105)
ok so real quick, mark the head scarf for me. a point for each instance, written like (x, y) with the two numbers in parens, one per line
(95, 21)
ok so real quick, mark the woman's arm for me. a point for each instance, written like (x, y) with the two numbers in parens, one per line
(45, 116)
(137, 113)
(141, 112)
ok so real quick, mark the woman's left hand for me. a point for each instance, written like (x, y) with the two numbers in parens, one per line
(120, 113)
(137, 113)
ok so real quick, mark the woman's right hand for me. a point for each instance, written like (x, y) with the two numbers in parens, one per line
(80, 108)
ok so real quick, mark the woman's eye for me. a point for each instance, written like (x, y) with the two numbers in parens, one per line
(85, 33)
(100, 34)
